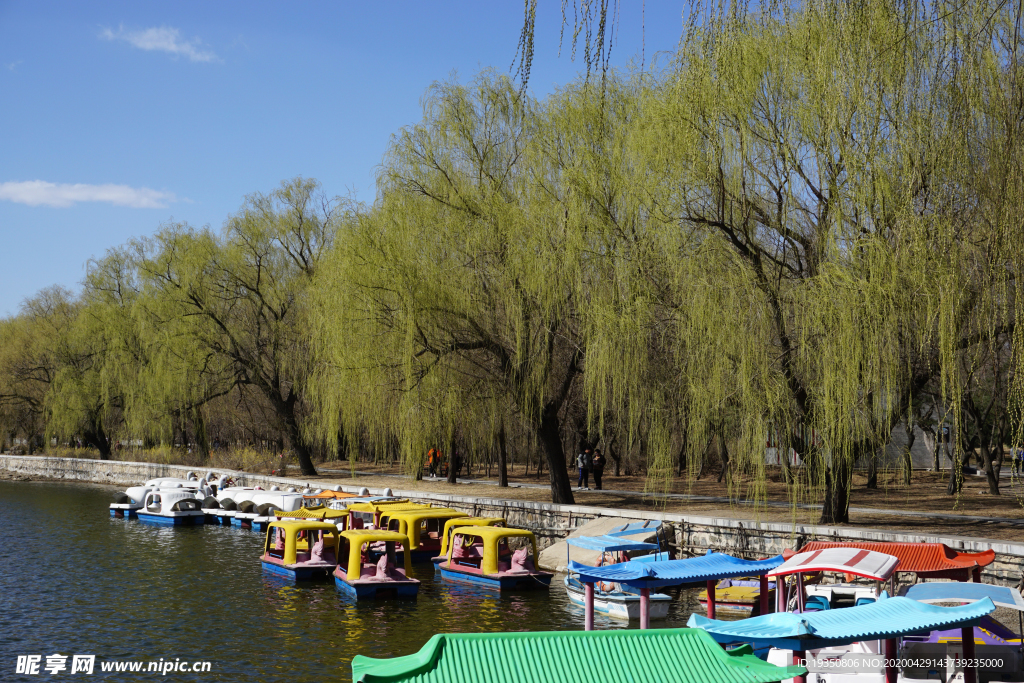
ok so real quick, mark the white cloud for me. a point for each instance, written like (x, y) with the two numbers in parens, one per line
(42, 193)
(12, 65)
(163, 39)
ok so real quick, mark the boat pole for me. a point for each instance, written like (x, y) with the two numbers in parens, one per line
(711, 599)
(588, 606)
(967, 638)
(780, 594)
(891, 672)
(800, 598)
(763, 597)
(798, 660)
(645, 607)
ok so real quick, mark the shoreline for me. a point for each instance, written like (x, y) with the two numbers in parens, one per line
(696, 529)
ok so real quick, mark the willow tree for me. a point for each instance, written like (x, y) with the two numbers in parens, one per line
(230, 311)
(30, 356)
(456, 301)
(829, 170)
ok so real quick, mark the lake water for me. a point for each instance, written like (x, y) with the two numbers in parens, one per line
(77, 582)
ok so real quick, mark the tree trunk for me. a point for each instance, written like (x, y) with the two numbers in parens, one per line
(98, 438)
(932, 442)
(551, 442)
(452, 475)
(202, 442)
(502, 457)
(723, 455)
(836, 506)
(873, 470)
(616, 458)
(908, 460)
(956, 474)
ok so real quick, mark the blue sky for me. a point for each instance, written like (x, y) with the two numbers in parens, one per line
(120, 116)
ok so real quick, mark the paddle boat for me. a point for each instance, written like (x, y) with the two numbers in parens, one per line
(480, 555)
(446, 535)
(924, 560)
(266, 503)
(822, 640)
(368, 512)
(300, 549)
(847, 562)
(368, 565)
(609, 597)
(331, 498)
(423, 527)
(174, 507)
(645, 574)
(338, 518)
(740, 597)
(857, 656)
(228, 501)
(997, 647)
(128, 503)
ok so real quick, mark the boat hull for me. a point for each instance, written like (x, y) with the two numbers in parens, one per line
(501, 582)
(218, 519)
(297, 573)
(123, 511)
(376, 590)
(622, 606)
(173, 519)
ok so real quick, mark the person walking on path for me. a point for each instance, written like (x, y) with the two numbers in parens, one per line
(598, 467)
(433, 458)
(584, 461)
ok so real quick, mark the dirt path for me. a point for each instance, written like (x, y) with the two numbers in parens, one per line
(923, 507)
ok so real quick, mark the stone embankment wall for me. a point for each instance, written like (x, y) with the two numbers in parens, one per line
(694, 535)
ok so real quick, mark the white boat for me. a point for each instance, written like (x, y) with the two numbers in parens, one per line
(860, 661)
(129, 503)
(996, 647)
(612, 598)
(176, 507)
(617, 603)
(266, 502)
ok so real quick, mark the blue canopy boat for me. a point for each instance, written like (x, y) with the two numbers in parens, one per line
(994, 644)
(817, 638)
(646, 575)
(612, 598)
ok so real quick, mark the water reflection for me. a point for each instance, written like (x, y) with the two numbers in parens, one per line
(86, 583)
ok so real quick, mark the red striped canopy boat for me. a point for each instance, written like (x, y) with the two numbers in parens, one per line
(864, 563)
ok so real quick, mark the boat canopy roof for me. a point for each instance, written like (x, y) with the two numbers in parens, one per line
(929, 559)
(329, 495)
(959, 591)
(710, 567)
(864, 563)
(312, 513)
(492, 532)
(423, 513)
(362, 536)
(378, 505)
(620, 656)
(636, 528)
(609, 544)
(466, 521)
(294, 525)
(884, 619)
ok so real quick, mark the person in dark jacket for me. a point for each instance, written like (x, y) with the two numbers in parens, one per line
(598, 467)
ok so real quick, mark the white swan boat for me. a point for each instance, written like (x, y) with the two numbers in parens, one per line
(175, 507)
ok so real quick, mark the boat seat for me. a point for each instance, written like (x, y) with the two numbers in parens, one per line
(863, 601)
(816, 602)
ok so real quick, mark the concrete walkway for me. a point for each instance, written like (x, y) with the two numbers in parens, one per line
(694, 498)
